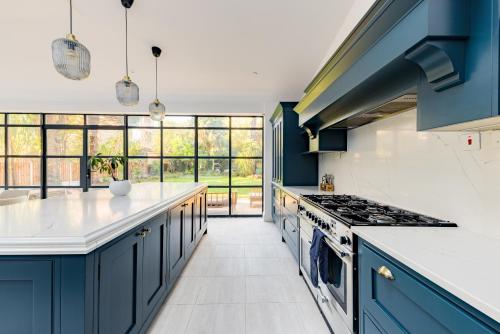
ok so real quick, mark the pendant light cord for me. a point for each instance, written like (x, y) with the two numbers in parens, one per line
(156, 71)
(71, 17)
(126, 42)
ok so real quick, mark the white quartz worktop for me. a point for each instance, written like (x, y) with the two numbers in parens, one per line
(462, 262)
(78, 225)
(303, 190)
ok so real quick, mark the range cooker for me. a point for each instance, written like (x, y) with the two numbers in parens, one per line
(334, 215)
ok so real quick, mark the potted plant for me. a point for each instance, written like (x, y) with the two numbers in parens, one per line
(110, 167)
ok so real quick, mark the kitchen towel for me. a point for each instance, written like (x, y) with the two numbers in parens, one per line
(314, 255)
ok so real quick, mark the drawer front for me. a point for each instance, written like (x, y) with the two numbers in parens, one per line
(290, 228)
(407, 304)
(290, 203)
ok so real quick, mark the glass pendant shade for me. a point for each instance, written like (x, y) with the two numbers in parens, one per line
(157, 110)
(127, 92)
(71, 58)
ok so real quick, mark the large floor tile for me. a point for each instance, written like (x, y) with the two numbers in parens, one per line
(232, 251)
(273, 318)
(264, 266)
(226, 267)
(186, 290)
(217, 319)
(222, 290)
(259, 250)
(171, 319)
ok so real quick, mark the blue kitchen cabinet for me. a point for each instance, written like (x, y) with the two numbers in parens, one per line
(190, 226)
(154, 264)
(395, 299)
(26, 296)
(290, 166)
(200, 216)
(117, 288)
(177, 260)
(120, 285)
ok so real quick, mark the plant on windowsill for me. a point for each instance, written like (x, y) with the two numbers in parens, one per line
(110, 166)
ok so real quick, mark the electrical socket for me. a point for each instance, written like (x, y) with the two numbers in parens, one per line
(471, 141)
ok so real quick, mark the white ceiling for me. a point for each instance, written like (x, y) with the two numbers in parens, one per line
(211, 49)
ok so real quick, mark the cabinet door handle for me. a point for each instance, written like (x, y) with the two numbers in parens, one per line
(141, 234)
(385, 273)
(147, 230)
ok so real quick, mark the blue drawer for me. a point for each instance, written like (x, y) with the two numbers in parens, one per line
(410, 303)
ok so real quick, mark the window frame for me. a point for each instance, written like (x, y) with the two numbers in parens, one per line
(85, 175)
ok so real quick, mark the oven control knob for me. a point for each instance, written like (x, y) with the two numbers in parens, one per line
(327, 227)
(345, 240)
(301, 208)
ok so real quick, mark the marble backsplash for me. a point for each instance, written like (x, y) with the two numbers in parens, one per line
(427, 172)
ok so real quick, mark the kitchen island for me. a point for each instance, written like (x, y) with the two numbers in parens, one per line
(96, 263)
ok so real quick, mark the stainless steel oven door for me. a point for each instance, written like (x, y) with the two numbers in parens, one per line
(336, 292)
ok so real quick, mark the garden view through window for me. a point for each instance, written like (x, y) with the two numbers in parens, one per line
(48, 154)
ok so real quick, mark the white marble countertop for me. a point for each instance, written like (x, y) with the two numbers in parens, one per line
(78, 225)
(303, 190)
(462, 262)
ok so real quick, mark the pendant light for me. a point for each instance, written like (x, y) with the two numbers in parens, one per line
(156, 108)
(127, 92)
(71, 58)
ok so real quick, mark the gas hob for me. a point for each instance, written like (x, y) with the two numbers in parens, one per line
(356, 211)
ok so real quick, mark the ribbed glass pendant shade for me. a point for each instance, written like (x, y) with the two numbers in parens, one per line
(127, 92)
(157, 110)
(71, 58)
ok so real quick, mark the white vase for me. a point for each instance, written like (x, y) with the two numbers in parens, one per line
(120, 188)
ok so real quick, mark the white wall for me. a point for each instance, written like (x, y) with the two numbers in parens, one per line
(428, 172)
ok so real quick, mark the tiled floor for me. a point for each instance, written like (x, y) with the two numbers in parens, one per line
(241, 279)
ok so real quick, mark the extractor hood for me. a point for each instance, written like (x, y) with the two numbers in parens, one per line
(440, 56)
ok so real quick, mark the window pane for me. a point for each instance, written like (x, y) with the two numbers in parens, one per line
(247, 201)
(2, 171)
(215, 172)
(213, 122)
(105, 120)
(2, 118)
(246, 172)
(246, 143)
(145, 121)
(178, 142)
(24, 141)
(144, 142)
(144, 170)
(246, 122)
(179, 121)
(24, 171)
(64, 119)
(2, 141)
(24, 119)
(64, 142)
(63, 172)
(98, 179)
(64, 192)
(106, 142)
(178, 170)
(218, 201)
(213, 143)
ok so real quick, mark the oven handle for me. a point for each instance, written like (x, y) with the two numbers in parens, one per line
(340, 252)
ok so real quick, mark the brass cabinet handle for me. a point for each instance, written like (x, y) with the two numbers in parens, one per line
(141, 234)
(385, 273)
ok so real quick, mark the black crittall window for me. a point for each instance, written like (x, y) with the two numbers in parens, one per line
(48, 154)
